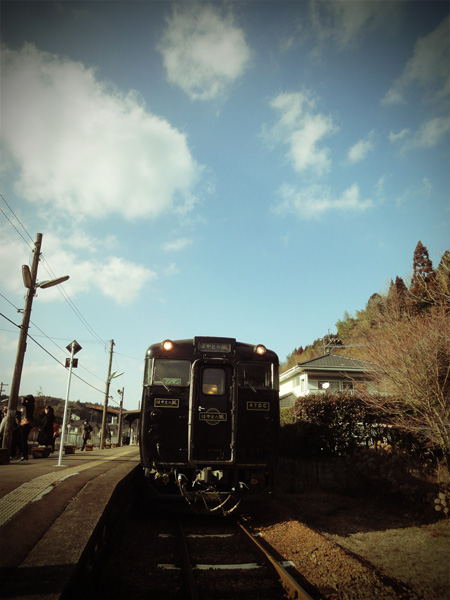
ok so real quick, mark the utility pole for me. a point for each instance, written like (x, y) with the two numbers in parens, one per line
(105, 407)
(30, 282)
(1, 388)
(21, 348)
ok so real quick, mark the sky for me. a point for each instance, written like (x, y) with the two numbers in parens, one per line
(241, 169)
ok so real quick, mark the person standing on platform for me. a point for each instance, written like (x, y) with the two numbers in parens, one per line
(3, 424)
(45, 437)
(86, 433)
(25, 424)
(55, 435)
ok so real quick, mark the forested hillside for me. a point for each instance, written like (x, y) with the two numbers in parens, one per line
(405, 334)
(428, 289)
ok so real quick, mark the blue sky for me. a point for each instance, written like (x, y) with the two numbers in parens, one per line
(240, 169)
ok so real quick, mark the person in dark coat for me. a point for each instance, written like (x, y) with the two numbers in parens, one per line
(86, 433)
(55, 435)
(26, 424)
(45, 437)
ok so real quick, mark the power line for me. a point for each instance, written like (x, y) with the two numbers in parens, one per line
(126, 356)
(18, 220)
(51, 339)
(9, 302)
(60, 363)
(71, 304)
(54, 357)
(51, 273)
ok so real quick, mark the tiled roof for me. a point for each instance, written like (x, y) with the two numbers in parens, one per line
(334, 361)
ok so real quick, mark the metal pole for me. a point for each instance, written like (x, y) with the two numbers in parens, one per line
(21, 349)
(63, 433)
(105, 407)
(120, 417)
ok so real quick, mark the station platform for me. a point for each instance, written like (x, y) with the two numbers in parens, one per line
(56, 519)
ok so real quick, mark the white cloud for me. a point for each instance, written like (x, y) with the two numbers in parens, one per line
(177, 245)
(13, 254)
(302, 129)
(401, 135)
(120, 279)
(203, 51)
(83, 148)
(347, 23)
(380, 186)
(314, 201)
(114, 277)
(171, 270)
(359, 151)
(428, 68)
(431, 132)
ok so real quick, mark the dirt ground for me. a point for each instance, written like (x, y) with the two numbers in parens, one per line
(359, 548)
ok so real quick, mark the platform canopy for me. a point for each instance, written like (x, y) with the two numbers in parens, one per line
(127, 415)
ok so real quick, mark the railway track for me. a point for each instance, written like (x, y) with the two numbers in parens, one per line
(165, 557)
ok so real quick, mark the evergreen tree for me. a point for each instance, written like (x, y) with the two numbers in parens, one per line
(443, 279)
(397, 298)
(423, 282)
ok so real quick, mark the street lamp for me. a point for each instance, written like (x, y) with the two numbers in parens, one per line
(30, 282)
(110, 377)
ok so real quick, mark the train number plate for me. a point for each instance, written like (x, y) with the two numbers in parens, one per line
(166, 402)
(258, 405)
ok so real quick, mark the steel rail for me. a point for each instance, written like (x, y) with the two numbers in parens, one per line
(290, 585)
(187, 567)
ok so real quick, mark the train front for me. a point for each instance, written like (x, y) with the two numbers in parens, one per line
(210, 421)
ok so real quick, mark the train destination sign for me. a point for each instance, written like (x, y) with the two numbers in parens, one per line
(214, 347)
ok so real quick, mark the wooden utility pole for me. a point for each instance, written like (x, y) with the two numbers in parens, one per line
(21, 348)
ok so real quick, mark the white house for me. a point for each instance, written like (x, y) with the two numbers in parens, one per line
(330, 372)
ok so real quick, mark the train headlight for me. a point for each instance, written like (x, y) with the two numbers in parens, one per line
(260, 349)
(167, 345)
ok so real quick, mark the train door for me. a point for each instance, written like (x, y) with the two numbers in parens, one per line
(211, 415)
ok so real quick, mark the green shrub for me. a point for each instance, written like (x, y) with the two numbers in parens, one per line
(337, 424)
(287, 416)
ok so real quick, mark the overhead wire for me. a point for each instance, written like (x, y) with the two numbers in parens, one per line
(51, 355)
(64, 350)
(66, 296)
(72, 305)
(49, 270)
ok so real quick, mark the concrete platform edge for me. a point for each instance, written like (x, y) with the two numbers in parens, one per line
(75, 543)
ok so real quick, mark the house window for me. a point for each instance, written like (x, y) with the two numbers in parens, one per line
(323, 385)
(347, 385)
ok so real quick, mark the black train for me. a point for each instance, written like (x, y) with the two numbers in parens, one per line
(209, 421)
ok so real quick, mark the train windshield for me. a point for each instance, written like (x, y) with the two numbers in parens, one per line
(171, 372)
(256, 375)
(213, 382)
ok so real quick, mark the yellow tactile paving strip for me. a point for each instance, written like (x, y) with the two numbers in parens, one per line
(16, 500)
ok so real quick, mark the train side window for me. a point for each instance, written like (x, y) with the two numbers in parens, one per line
(171, 372)
(256, 375)
(213, 382)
